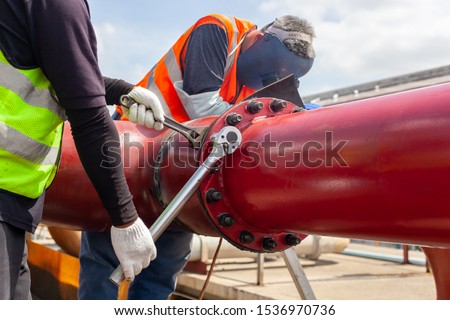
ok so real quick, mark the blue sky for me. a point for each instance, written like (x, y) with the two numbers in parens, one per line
(357, 40)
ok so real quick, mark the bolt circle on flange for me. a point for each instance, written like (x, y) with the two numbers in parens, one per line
(222, 213)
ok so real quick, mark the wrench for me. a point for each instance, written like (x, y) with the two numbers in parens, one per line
(190, 134)
(226, 141)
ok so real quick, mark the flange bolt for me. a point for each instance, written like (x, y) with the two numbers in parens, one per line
(269, 244)
(277, 105)
(225, 220)
(298, 109)
(255, 107)
(233, 119)
(292, 240)
(246, 237)
(213, 195)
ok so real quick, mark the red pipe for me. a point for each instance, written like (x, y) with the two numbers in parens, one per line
(71, 201)
(389, 180)
(373, 169)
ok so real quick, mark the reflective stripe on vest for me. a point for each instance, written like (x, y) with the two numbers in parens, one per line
(167, 71)
(31, 122)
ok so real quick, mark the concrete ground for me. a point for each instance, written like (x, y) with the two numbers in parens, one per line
(334, 276)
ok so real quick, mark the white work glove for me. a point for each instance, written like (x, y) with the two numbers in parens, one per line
(147, 111)
(134, 248)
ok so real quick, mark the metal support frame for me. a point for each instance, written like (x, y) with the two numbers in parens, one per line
(260, 269)
(298, 275)
(295, 270)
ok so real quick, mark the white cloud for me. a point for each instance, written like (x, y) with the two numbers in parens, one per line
(128, 52)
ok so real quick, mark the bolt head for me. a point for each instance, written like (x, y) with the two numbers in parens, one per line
(269, 244)
(246, 237)
(277, 105)
(254, 107)
(225, 220)
(213, 195)
(292, 240)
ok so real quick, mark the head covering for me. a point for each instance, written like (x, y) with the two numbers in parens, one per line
(284, 35)
(269, 59)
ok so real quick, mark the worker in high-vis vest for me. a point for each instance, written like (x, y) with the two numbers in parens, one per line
(49, 73)
(216, 63)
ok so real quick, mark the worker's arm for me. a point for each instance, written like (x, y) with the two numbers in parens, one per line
(204, 71)
(115, 88)
(205, 60)
(65, 50)
(65, 47)
(98, 143)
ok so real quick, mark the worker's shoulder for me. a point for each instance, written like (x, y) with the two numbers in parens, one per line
(225, 22)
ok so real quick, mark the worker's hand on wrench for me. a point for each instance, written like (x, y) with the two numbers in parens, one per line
(134, 247)
(147, 110)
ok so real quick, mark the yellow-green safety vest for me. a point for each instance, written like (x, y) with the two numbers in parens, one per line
(31, 125)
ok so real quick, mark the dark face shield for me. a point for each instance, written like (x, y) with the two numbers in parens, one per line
(268, 60)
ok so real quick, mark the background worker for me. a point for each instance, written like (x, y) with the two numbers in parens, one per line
(216, 63)
(49, 72)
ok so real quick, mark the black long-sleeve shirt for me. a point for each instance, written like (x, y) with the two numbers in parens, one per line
(58, 37)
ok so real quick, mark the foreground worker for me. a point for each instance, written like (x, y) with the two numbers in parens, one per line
(49, 72)
(221, 61)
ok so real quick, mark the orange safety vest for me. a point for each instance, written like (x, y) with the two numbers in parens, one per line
(161, 78)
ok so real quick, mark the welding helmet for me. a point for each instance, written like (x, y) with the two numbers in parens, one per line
(268, 60)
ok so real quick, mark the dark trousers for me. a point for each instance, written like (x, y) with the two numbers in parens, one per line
(157, 282)
(14, 272)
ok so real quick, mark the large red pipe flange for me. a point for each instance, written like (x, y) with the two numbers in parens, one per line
(223, 213)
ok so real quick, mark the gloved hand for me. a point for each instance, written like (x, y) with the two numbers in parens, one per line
(134, 248)
(147, 111)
